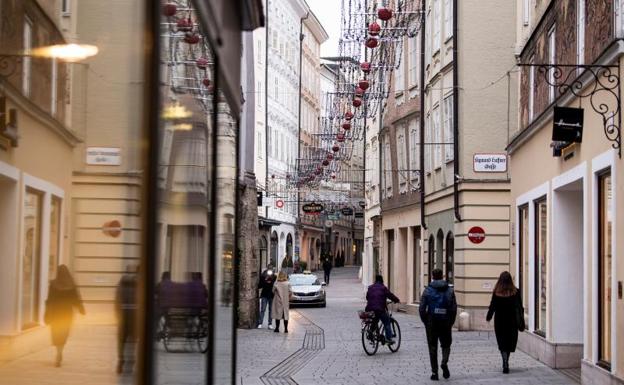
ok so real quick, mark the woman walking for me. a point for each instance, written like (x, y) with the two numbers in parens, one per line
(506, 307)
(63, 297)
(281, 301)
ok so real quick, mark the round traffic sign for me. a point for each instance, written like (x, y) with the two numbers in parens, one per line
(279, 203)
(476, 234)
(329, 223)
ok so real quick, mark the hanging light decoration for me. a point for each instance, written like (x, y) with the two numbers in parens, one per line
(340, 137)
(384, 13)
(346, 125)
(185, 25)
(374, 29)
(357, 102)
(325, 163)
(192, 38)
(359, 92)
(336, 148)
(365, 67)
(372, 42)
(202, 63)
(364, 84)
(348, 115)
(169, 9)
(330, 157)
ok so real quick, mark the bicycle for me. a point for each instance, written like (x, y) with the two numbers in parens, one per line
(373, 333)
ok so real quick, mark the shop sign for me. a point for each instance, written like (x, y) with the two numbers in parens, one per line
(312, 208)
(362, 204)
(279, 203)
(359, 215)
(347, 211)
(567, 124)
(104, 156)
(490, 162)
(476, 234)
(333, 217)
(259, 198)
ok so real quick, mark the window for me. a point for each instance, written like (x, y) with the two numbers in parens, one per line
(66, 7)
(448, 19)
(581, 32)
(54, 87)
(531, 88)
(414, 60)
(605, 264)
(399, 73)
(259, 52)
(523, 255)
(27, 61)
(375, 160)
(437, 138)
(541, 266)
(450, 260)
(387, 167)
(428, 146)
(259, 154)
(55, 236)
(448, 129)
(31, 258)
(402, 161)
(552, 60)
(414, 154)
(436, 25)
(259, 94)
(526, 12)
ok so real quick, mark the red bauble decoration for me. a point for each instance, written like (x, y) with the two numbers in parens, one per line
(372, 42)
(330, 157)
(202, 63)
(185, 25)
(272, 176)
(340, 137)
(359, 92)
(364, 84)
(346, 126)
(318, 171)
(206, 82)
(191, 38)
(325, 162)
(357, 102)
(169, 9)
(333, 175)
(336, 148)
(348, 115)
(365, 67)
(384, 14)
(374, 29)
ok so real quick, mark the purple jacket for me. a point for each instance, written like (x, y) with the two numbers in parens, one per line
(376, 297)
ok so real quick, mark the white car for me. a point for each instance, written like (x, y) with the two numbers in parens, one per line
(307, 290)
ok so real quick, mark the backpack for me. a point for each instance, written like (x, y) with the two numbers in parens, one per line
(438, 305)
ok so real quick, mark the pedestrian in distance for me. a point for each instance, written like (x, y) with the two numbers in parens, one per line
(327, 267)
(376, 297)
(281, 301)
(126, 308)
(506, 308)
(63, 298)
(438, 310)
(265, 284)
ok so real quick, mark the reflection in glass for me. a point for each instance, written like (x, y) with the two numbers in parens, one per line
(55, 227)
(32, 258)
(541, 265)
(524, 256)
(605, 267)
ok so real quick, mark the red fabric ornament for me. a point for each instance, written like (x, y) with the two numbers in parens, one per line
(169, 9)
(364, 84)
(348, 115)
(359, 92)
(365, 67)
(374, 29)
(185, 25)
(384, 14)
(336, 148)
(357, 102)
(325, 162)
(206, 82)
(372, 42)
(191, 38)
(202, 63)
(346, 126)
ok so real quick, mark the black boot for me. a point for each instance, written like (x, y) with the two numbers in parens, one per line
(277, 322)
(433, 358)
(446, 352)
(285, 326)
(505, 356)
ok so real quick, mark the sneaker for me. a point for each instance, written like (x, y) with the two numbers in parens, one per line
(434, 377)
(270, 327)
(445, 371)
(260, 326)
(390, 341)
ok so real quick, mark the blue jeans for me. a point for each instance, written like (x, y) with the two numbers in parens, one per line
(387, 322)
(263, 304)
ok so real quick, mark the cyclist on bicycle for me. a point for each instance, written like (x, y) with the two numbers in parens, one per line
(376, 298)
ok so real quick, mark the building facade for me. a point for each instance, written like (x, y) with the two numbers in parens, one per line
(565, 192)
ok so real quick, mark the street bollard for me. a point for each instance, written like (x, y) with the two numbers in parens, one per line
(464, 321)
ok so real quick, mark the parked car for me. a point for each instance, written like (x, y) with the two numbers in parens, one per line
(307, 290)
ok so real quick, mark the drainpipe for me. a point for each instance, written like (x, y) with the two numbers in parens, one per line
(455, 120)
(421, 138)
(266, 109)
(301, 37)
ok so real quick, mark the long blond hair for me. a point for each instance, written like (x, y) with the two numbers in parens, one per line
(281, 276)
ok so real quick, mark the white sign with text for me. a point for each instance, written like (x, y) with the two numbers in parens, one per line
(104, 156)
(490, 162)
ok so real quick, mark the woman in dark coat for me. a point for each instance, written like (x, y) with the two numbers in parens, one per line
(63, 297)
(506, 307)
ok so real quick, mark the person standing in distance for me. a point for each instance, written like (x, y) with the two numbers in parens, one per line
(506, 308)
(267, 280)
(327, 267)
(438, 310)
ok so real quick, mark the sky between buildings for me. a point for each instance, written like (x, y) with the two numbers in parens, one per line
(328, 13)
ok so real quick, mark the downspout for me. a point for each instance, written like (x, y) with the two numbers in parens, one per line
(455, 120)
(421, 138)
(297, 162)
(266, 114)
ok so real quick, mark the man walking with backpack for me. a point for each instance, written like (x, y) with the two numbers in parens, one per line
(438, 310)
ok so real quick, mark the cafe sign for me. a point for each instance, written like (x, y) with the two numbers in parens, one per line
(567, 124)
(490, 162)
(312, 208)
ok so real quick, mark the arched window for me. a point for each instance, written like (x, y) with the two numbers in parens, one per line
(439, 255)
(431, 256)
(262, 251)
(450, 259)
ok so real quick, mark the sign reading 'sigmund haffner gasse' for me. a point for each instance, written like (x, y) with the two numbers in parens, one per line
(490, 162)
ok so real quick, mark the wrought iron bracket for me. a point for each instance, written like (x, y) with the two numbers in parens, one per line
(594, 82)
(9, 64)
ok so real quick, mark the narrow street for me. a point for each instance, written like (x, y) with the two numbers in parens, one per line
(269, 358)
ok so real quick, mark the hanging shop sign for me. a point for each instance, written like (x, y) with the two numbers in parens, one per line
(279, 203)
(333, 217)
(362, 204)
(104, 156)
(347, 211)
(567, 124)
(490, 163)
(259, 198)
(359, 215)
(312, 208)
(476, 234)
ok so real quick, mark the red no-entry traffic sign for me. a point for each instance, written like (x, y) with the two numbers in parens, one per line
(476, 234)
(279, 203)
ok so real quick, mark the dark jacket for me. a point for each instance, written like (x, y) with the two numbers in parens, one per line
(376, 297)
(266, 284)
(59, 312)
(505, 311)
(327, 266)
(425, 300)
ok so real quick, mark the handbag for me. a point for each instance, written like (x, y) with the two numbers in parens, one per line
(520, 316)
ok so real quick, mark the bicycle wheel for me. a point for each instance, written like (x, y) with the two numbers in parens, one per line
(370, 342)
(396, 331)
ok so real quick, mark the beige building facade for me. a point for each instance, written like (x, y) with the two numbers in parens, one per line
(566, 197)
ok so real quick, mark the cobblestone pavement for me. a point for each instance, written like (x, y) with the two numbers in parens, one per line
(474, 357)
